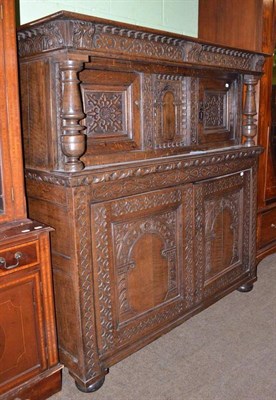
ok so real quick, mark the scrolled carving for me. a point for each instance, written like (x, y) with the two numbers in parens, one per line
(41, 38)
(131, 42)
(223, 57)
(82, 34)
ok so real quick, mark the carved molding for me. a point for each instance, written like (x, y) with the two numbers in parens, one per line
(157, 318)
(64, 31)
(155, 175)
(103, 276)
(188, 259)
(92, 366)
(223, 57)
(151, 200)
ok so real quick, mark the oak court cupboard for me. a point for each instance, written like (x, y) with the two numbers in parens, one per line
(138, 153)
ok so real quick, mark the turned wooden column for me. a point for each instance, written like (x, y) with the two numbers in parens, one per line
(249, 128)
(72, 140)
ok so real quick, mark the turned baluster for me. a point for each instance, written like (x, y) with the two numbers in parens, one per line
(249, 128)
(72, 140)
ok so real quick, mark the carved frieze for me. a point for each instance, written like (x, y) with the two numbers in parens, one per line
(98, 36)
(183, 170)
(223, 57)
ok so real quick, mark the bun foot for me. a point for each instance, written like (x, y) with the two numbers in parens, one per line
(247, 287)
(91, 388)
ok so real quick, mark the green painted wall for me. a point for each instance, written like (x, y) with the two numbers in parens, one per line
(180, 16)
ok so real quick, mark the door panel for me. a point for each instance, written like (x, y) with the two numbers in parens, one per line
(223, 229)
(143, 264)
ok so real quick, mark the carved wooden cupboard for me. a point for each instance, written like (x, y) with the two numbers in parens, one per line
(29, 367)
(133, 151)
(222, 24)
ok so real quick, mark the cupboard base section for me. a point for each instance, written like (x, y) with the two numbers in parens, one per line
(129, 268)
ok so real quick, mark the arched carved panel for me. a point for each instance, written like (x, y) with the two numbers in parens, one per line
(144, 261)
(146, 252)
(222, 239)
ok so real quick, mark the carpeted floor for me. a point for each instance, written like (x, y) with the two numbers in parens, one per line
(227, 352)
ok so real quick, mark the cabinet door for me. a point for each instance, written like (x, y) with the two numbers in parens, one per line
(223, 232)
(22, 346)
(219, 101)
(143, 264)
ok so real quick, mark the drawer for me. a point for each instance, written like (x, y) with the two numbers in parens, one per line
(267, 228)
(18, 256)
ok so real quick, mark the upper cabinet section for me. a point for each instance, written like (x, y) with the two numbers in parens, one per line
(116, 93)
(12, 202)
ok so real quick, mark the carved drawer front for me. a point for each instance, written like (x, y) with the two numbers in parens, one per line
(223, 227)
(22, 346)
(267, 226)
(217, 114)
(143, 264)
(19, 256)
(111, 103)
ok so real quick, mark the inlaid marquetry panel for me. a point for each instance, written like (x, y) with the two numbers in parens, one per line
(142, 263)
(222, 239)
(111, 105)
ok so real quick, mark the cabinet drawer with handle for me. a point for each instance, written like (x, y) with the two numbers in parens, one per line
(267, 233)
(18, 256)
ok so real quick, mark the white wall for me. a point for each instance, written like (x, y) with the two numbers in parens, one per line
(180, 16)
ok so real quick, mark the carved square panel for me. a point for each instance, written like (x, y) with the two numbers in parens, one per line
(105, 113)
(217, 114)
(143, 263)
(112, 116)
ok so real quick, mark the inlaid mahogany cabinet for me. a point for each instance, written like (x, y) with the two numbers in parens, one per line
(29, 367)
(137, 153)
